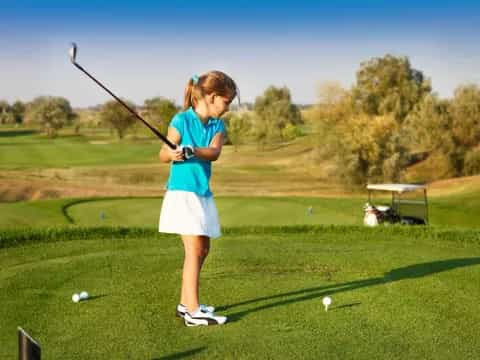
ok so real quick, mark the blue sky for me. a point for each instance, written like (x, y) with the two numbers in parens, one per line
(143, 49)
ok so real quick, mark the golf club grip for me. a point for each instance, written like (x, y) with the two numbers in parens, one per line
(155, 131)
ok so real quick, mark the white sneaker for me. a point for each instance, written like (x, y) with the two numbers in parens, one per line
(182, 309)
(202, 317)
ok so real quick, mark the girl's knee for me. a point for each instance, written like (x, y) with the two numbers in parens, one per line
(201, 251)
(197, 247)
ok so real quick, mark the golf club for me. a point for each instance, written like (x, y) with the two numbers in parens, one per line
(73, 56)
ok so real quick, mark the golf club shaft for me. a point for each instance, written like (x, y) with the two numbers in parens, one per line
(155, 131)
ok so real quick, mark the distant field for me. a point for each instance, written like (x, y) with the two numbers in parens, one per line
(96, 164)
(23, 149)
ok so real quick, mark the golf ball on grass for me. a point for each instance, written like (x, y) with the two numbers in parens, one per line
(83, 295)
(326, 302)
(76, 298)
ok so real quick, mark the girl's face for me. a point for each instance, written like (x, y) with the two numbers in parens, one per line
(218, 105)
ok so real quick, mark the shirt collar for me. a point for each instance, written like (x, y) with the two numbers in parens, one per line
(210, 121)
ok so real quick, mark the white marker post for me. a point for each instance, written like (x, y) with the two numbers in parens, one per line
(326, 302)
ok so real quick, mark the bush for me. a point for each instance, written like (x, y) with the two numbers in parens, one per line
(290, 132)
(472, 163)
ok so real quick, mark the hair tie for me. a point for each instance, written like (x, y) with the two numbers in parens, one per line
(195, 79)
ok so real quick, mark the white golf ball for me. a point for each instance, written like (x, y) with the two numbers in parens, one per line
(83, 295)
(327, 301)
(76, 298)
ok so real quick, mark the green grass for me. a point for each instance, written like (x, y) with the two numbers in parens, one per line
(456, 211)
(233, 211)
(32, 213)
(23, 149)
(397, 293)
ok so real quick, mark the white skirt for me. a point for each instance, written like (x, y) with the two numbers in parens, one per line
(186, 213)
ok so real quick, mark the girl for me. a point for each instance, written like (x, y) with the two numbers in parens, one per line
(188, 208)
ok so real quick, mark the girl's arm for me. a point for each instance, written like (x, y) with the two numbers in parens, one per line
(212, 152)
(166, 154)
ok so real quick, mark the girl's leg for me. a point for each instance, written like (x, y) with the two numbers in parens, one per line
(196, 251)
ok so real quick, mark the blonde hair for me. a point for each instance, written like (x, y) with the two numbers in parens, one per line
(212, 82)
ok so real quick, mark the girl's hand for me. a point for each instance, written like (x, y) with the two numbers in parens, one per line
(177, 154)
(187, 151)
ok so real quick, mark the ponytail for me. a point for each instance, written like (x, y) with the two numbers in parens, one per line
(211, 82)
(187, 101)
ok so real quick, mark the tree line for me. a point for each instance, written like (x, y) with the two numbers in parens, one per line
(272, 118)
(387, 121)
(52, 113)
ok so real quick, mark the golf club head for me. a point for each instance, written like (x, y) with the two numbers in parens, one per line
(73, 52)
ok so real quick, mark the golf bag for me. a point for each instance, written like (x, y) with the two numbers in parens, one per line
(378, 215)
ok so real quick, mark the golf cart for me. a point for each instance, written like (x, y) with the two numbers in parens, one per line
(408, 205)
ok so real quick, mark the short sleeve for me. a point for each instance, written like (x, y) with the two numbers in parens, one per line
(221, 128)
(178, 123)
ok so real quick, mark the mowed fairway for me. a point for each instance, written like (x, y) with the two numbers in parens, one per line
(233, 211)
(397, 293)
(28, 149)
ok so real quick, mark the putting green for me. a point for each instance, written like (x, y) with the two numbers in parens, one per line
(456, 211)
(233, 211)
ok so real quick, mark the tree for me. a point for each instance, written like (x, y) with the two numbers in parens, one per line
(6, 116)
(117, 117)
(18, 111)
(449, 127)
(472, 162)
(159, 112)
(52, 113)
(334, 108)
(331, 94)
(364, 147)
(369, 149)
(389, 85)
(465, 129)
(427, 128)
(465, 111)
(238, 125)
(273, 111)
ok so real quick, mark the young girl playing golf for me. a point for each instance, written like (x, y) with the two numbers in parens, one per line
(188, 208)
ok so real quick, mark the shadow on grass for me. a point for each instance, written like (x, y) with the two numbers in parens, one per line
(403, 273)
(181, 355)
(344, 306)
(95, 297)
(13, 133)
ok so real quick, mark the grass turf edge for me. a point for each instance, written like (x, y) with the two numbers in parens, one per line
(26, 235)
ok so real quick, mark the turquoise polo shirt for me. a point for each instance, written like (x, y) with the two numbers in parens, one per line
(193, 174)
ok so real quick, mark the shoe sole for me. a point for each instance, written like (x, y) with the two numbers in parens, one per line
(204, 323)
